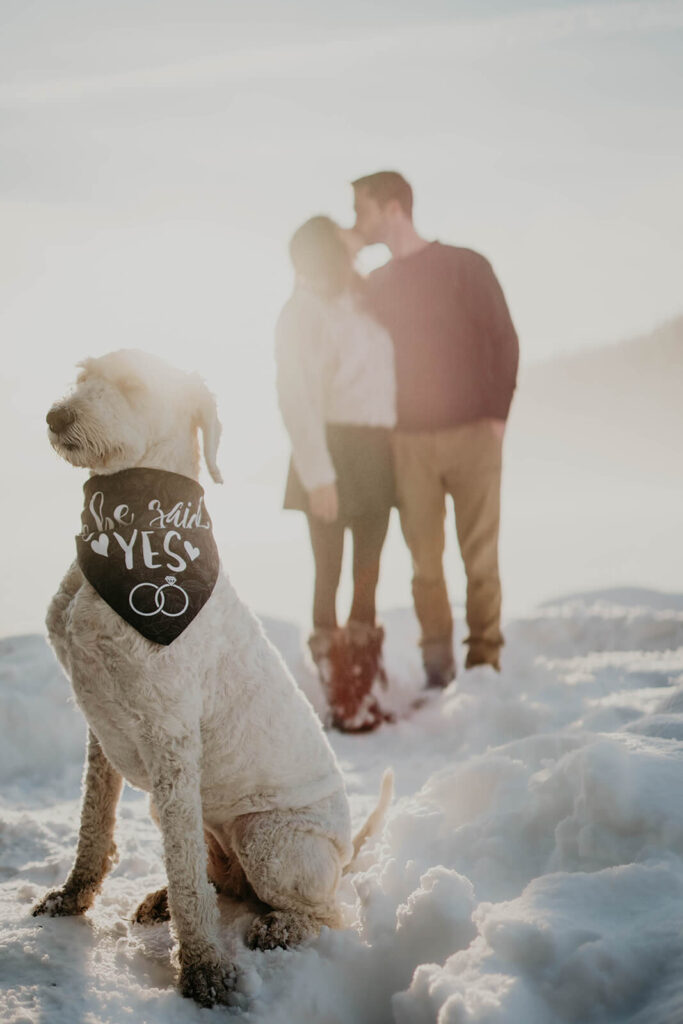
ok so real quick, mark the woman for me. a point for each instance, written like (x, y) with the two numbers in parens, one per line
(337, 394)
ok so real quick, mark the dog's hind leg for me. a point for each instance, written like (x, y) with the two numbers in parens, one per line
(293, 861)
(224, 872)
(96, 851)
(153, 909)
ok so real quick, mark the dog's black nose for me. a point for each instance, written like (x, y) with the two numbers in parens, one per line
(59, 418)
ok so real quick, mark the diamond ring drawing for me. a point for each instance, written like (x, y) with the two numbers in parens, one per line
(160, 598)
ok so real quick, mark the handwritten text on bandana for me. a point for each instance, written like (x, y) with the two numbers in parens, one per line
(147, 548)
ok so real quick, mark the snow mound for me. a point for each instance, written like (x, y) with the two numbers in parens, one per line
(570, 948)
(530, 870)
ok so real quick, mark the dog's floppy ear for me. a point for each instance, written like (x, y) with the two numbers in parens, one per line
(208, 422)
(130, 385)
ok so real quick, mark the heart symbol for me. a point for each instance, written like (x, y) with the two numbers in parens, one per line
(101, 545)
(192, 552)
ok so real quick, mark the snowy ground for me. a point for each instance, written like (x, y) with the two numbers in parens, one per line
(530, 870)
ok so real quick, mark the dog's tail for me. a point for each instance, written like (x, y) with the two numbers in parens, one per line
(375, 818)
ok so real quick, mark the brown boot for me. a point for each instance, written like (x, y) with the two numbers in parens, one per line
(365, 647)
(357, 707)
(320, 644)
(349, 662)
(439, 663)
(482, 653)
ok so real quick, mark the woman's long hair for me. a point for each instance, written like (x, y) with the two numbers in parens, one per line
(320, 257)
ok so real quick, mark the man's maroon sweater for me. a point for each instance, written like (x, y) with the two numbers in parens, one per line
(456, 346)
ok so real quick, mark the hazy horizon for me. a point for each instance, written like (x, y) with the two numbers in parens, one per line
(590, 501)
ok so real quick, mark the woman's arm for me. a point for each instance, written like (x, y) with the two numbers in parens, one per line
(302, 378)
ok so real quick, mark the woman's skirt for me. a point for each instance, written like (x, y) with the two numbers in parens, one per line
(364, 466)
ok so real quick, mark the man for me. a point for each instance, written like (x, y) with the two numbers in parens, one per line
(456, 367)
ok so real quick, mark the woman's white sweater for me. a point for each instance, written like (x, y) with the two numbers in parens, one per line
(335, 364)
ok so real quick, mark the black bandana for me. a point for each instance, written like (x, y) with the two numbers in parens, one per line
(147, 548)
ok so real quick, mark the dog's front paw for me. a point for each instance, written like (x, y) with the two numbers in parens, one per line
(280, 928)
(64, 902)
(208, 983)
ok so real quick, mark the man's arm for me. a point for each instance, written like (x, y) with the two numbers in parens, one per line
(499, 336)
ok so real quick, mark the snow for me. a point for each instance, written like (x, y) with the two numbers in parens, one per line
(530, 870)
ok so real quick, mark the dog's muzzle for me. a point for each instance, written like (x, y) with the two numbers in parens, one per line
(59, 418)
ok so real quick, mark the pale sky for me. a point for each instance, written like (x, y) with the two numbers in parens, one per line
(155, 158)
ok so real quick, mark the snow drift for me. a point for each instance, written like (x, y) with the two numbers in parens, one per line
(530, 870)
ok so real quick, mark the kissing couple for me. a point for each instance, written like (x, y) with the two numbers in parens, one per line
(394, 390)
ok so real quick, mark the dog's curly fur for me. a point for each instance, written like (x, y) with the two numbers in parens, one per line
(243, 783)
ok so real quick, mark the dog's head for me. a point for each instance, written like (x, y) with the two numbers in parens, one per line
(128, 409)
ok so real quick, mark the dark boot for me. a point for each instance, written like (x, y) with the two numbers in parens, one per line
(365, 672)
(439, 663)
(482, 653)
(473, 660)
(349, 662)
(365, 644)
(330, 651)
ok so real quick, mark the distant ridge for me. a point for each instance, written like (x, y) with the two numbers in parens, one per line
(617, 405)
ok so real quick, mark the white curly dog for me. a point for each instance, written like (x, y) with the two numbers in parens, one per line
(244, 785)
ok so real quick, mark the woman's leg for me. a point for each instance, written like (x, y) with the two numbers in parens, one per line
(368, 533)
(327, 541)
(348, 660)
(364, 639)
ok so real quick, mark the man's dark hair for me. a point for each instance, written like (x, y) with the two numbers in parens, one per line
(386, 185)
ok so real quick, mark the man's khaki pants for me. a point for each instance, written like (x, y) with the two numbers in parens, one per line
(465, 462)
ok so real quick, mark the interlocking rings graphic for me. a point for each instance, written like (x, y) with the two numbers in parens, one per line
(160, 598)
